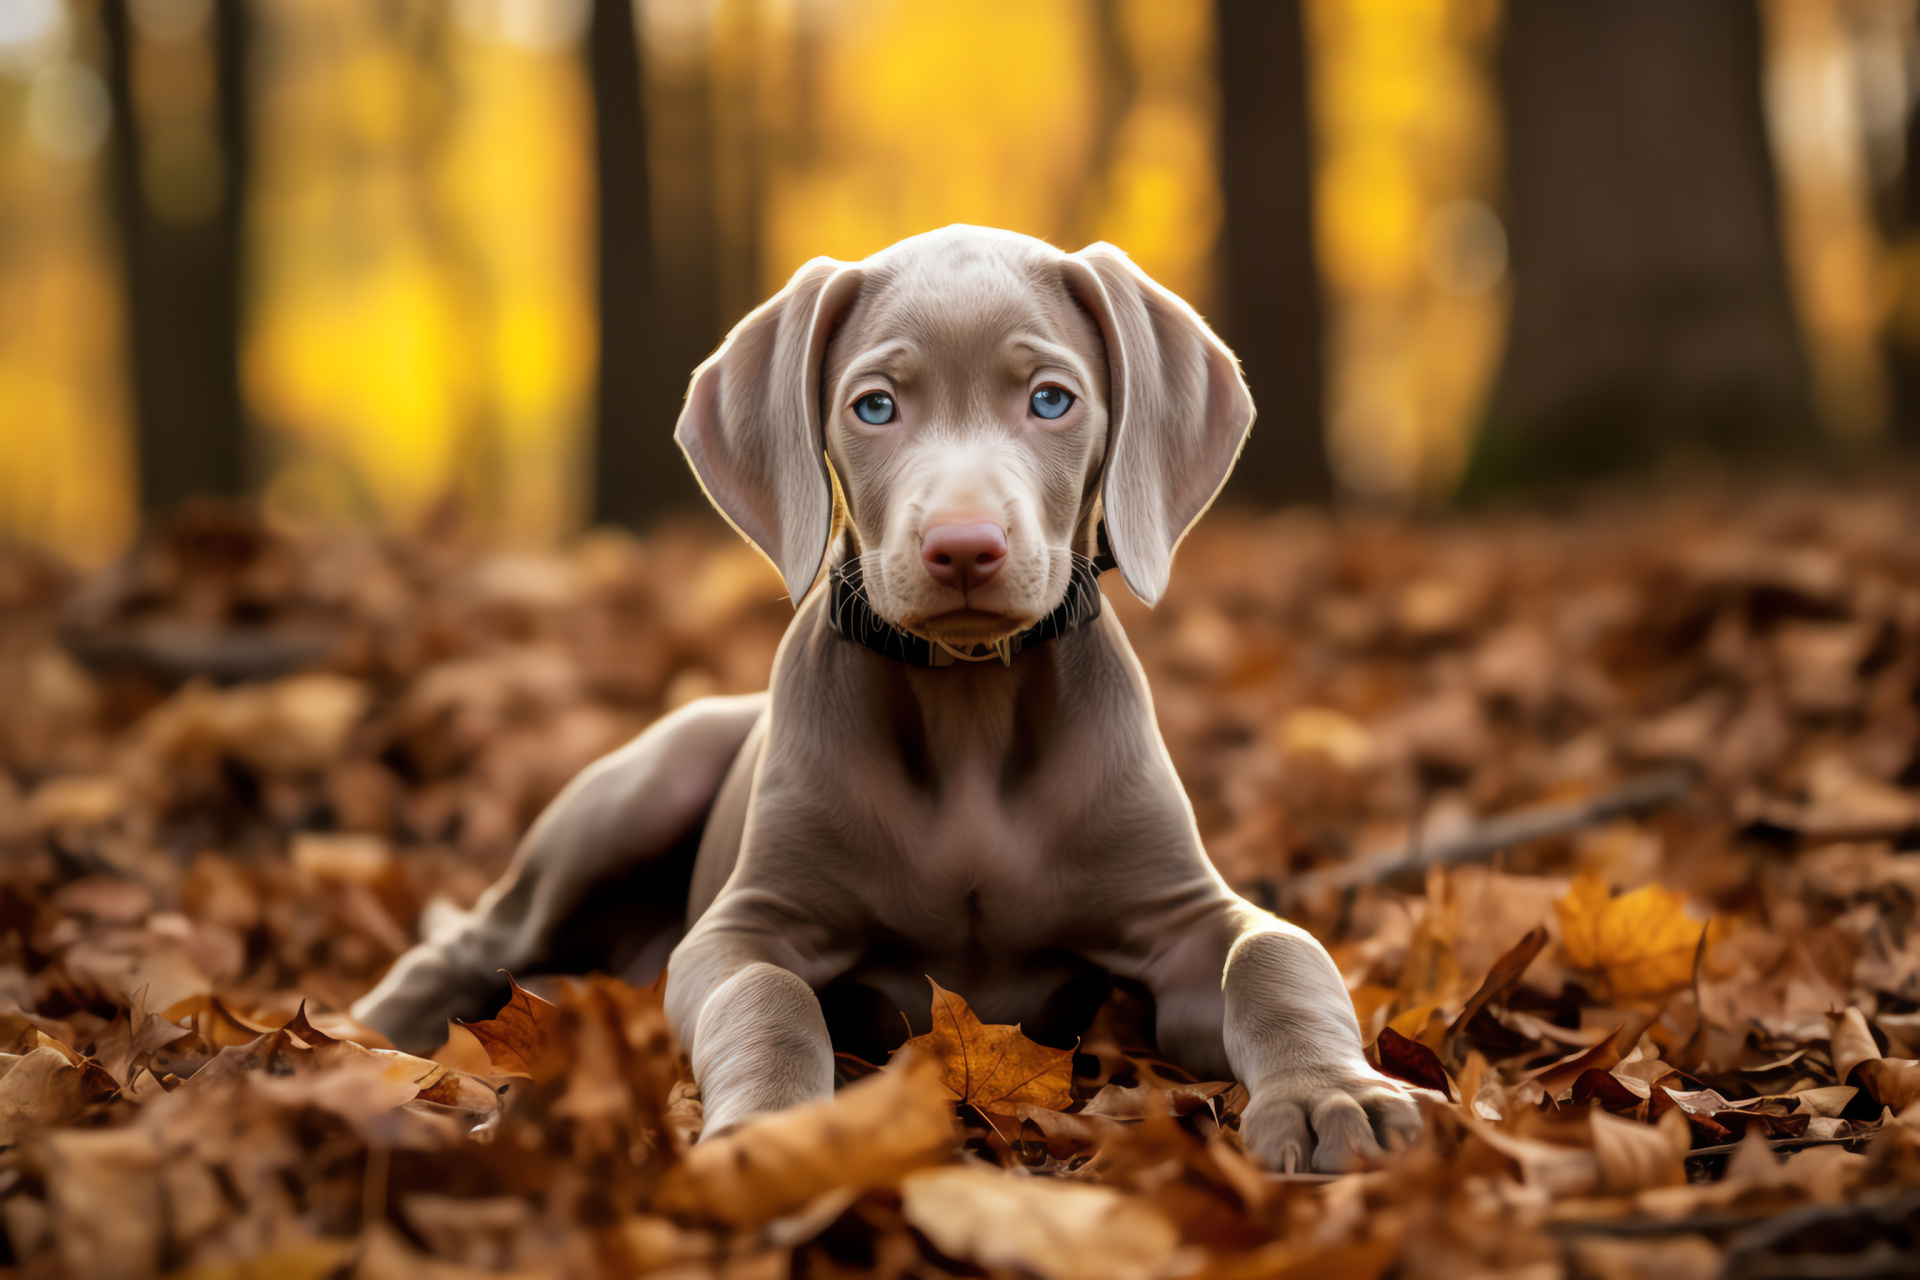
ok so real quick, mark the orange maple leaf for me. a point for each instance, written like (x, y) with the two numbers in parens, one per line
(524, 1038)
(1639, 944)
(993, 1067)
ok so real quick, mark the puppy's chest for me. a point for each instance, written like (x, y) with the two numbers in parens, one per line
(977, 861)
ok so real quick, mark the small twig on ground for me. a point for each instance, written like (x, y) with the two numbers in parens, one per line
(1485, 839)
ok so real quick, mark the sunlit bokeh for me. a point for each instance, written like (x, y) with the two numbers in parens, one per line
(1074, 121)
(1411, 251)
(1839, 86)
(422, 317)
(419, 289)
(421, 255)
(66, 470)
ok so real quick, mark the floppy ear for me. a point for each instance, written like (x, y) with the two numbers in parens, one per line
(1178, 413)
(752, 430)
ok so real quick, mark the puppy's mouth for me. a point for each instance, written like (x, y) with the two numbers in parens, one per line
(968, 626)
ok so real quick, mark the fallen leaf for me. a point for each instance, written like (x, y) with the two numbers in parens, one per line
(1154, 1095)
(1037, 1226)
(1851, 1043)
(125, 1052)
(432, 1082)
(1635, 1156)
(1556, 1077)
(1827, 1103)
(1639, 945)
(217, 1025)
(871, 1132)
(1610, 1091)
(1413, 1062)
(524, 1038)
(993, 1068)
(1501, 978)
(1891, 1082)
(44, 1087)
(105, 1201)
(1556, 1169)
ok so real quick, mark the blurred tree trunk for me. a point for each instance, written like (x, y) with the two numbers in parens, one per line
(1269, 289)
(1899, 209)
(182, 256)
(1651, 315)
(649, 343)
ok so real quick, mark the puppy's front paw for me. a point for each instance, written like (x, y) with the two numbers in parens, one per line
(1328, 1122)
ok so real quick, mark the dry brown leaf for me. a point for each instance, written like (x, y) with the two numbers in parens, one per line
(1891, 1082)
(1556, 1077)
(1409, 1060)
(993, 1068)
(217, 1025)
(1559, 1170)
(1827, 1103)
(122, 1052)
(1635, 1156)
(1501, 978)
(45, 1086)
(1639, 945)
(432, 1083)
(106, 1202)
(655, 1243)
(1758, 1178)
(1154, 1095)
(1044, 1227)
(873, 1131)
(1851, 1044)
(525, 1037)
(385, 1254)
(1687, 1257)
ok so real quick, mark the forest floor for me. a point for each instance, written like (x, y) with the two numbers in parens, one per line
(1601, 814)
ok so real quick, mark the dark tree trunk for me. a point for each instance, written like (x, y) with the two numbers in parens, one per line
(1269, 289)
(1651, 314)
(183, 280)
(1899, 209)
(648, 344)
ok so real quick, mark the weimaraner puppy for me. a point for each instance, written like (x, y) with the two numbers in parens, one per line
(956, 771)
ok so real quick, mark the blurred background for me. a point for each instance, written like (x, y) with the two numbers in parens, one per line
(356, 258)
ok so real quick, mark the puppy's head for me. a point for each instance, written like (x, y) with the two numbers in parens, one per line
(984, 401)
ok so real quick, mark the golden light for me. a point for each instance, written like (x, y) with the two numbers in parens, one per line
(1411, 251)
(874, 119)
(1838, 90)
(422, 316)
(66, 468)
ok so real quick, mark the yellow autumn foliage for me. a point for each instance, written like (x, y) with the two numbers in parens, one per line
(1638, 946)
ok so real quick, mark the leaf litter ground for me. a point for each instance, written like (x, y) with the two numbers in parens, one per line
(1672, 1031)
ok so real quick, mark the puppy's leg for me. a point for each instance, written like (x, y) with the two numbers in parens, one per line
(1241, 990)
(622, 810)
(750, 1022)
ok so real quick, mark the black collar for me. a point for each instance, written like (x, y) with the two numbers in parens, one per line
(853, 618)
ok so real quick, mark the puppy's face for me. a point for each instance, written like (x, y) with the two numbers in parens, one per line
(965, 408)
(982, 397)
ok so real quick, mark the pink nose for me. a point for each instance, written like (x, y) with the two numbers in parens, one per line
(963, 556)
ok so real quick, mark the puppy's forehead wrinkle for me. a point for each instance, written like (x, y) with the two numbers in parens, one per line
(961, 296)
(896, 359)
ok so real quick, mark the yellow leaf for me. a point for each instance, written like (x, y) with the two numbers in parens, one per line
(993, 1068)
(1638, 945)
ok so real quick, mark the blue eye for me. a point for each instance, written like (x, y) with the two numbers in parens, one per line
(874, 408)
(1052, 402)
